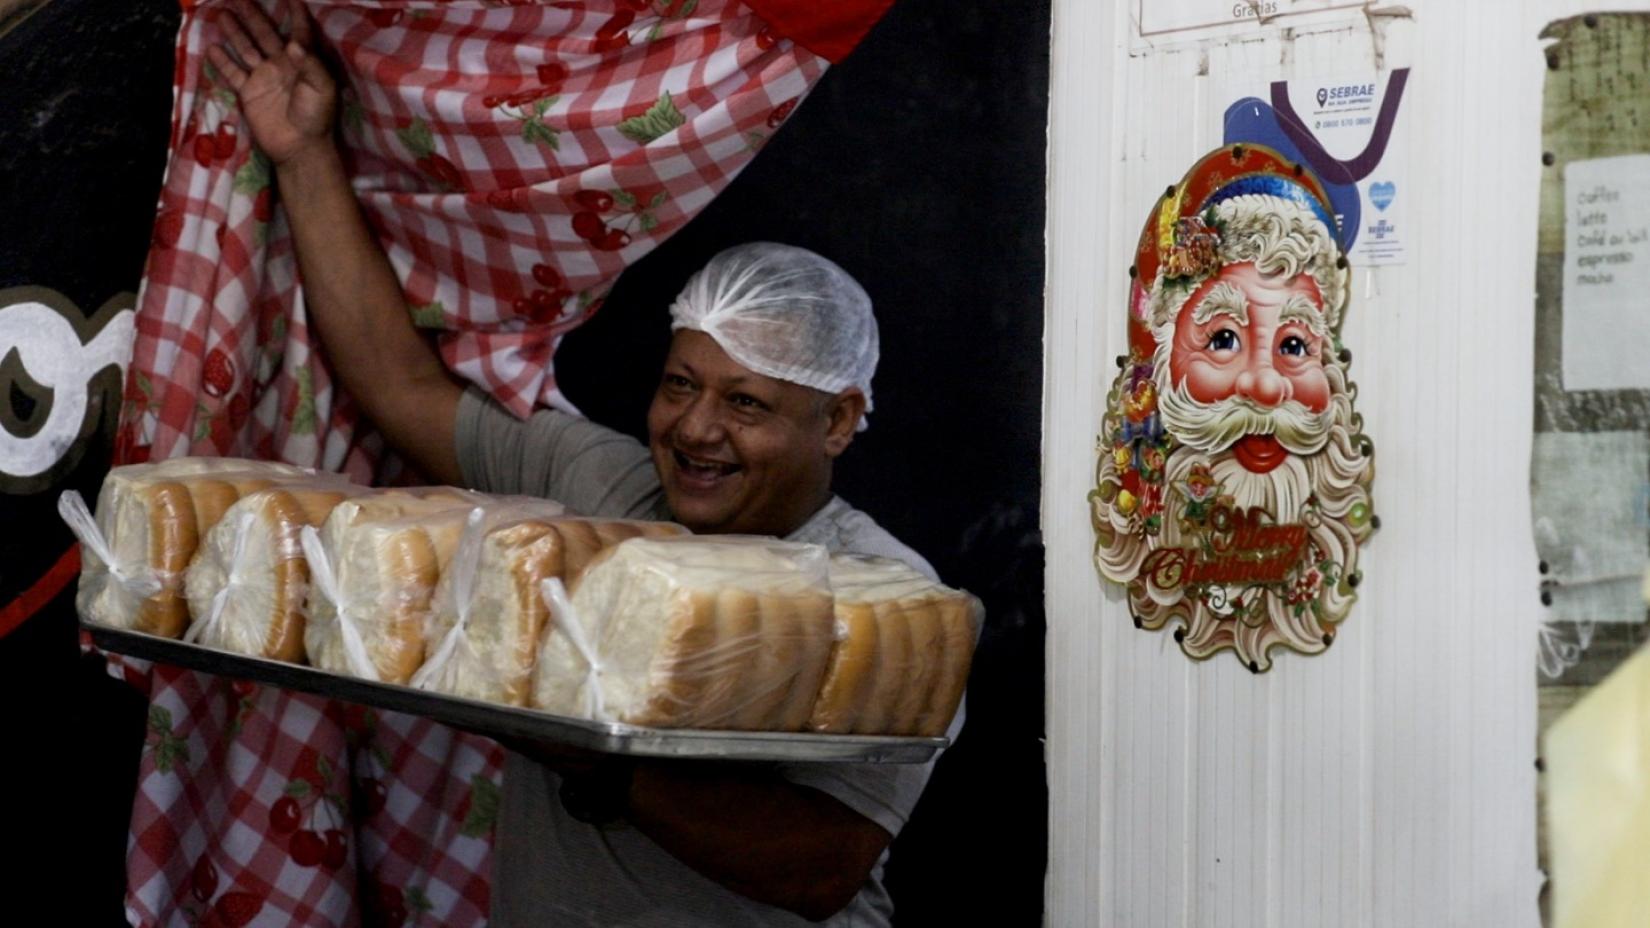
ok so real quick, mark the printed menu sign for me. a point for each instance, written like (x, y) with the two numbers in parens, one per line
(1607, 273)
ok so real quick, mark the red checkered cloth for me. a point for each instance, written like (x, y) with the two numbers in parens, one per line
(513, 160)
(299, 811)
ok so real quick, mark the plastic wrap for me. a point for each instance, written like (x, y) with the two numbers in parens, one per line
(489, 615)
(719, 633)
(903, 648)
(374, 565)
(247, 583)
(150, 518)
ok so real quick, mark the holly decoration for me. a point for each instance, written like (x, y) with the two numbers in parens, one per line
(590, 305)
(169, 747)
(303, 415)
(214, 425)
(243, 693)
(420, 142)
(418, 900)
(480, 808)
(139, 394)
(529, 109)
(661, 118)
(429, 315)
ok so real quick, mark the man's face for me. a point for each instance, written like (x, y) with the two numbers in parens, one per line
(737, 451)
(1249, 335)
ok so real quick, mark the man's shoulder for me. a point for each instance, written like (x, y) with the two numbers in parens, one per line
(842, 529)
(593, 469)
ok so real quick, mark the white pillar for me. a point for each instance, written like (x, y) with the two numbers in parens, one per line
(1390, 780)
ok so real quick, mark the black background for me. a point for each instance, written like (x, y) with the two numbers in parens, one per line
(917, 164)
(85, 102)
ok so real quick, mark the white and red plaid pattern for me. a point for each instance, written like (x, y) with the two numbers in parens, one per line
(513, 160)
(280, 800)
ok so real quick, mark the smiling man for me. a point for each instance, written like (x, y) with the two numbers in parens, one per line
(767, 381)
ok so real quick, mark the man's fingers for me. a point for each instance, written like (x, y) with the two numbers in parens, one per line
(257, 23)
(232, 72)
(310, 69)
(245, 50)
(298, 14)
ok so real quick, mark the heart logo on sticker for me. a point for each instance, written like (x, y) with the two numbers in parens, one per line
(1381, 194)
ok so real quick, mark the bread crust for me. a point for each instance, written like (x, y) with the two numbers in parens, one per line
(290, 509)
(850, 674)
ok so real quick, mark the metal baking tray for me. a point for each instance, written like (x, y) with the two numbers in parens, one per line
(511, 722)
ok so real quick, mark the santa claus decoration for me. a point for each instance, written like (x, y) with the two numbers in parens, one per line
(1232, 489)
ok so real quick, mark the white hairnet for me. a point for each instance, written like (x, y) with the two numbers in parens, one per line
(786, 313)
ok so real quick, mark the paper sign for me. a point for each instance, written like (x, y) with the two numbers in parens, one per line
(1607, 274)
(1592, 525)
(1346, 128)
(1169, 15)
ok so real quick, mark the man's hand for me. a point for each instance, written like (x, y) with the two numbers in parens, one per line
(288, 99)
(757, 834)
(352, 295)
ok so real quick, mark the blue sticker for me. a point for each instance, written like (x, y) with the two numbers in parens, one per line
(1381, 193)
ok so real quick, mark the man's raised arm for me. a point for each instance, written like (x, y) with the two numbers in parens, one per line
(355, 301)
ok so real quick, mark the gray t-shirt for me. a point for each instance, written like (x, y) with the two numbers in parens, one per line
(551, 869)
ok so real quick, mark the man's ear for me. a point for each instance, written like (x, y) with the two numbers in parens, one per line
(842, 414)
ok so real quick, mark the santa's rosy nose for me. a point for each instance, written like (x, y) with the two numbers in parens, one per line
(1263, 385)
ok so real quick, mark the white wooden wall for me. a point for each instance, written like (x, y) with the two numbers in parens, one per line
(1389, 781)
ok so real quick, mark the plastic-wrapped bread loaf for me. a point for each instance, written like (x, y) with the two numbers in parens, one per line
(374, 565)
(489, 614)
(904, 645)
(247, 582)
(690, 632)
(150, 518)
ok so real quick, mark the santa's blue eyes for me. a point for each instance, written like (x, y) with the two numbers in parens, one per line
(1224, 340)
(1227, 340)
